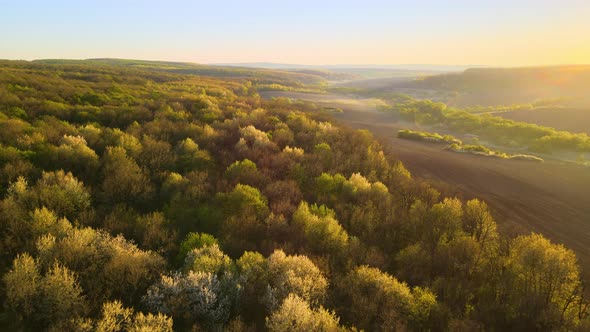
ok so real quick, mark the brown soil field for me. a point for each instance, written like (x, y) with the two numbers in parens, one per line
(575, 120)
(551, 198)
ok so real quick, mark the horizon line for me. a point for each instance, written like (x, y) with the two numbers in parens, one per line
(342, 65)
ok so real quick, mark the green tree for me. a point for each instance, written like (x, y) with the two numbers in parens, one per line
(243, 228)
(253, 282)
(74, 155)
(293, 274)
(115, 318)
(60, 296)
(295, 315)
(22, 285)
(45, 222)
(153, 231)
(194, 241)
(107, 266)
(123, 180)
(478, 222)
(374, 300)
(321, 231)
(244, 172)
(209, 259)
(62, 193)
(191, 157)
(156, 156)
(545, 285)
(42, 300)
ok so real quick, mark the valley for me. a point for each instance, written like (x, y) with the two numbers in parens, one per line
(549, 198)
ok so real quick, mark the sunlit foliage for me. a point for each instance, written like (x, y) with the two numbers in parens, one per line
(138, 196)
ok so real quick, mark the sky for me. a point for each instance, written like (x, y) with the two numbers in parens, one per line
(452, 32)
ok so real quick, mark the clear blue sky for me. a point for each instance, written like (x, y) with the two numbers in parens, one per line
(517, 32)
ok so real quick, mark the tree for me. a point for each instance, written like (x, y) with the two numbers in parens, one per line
(283, 196)
(153, 232)
(209, 259)
(189, 201)
(253, 282)
(194, 241)
(13, 164)
(107, 266)
(123, 180)
(16, 235)
(282, 135)
(328, 187)
(22, 285)
(244, 172)
(244, 199)
(46, 299)
(74, 155)
(191, 157)
(434, 227)
(295, 315)
(156, 156)
(478, 222)
(60, 296)
(293, 274)
(116, 137)
(377, 301)
(243, 228)
(321, 231)
(150, 322)
(115, 317)
(45, 222)
(63, 194)
(195, 297)
(545, 285)
(443, 222)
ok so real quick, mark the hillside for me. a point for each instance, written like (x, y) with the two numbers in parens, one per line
(257, 76)
(572, 119)
(156, 196)
(506, 86)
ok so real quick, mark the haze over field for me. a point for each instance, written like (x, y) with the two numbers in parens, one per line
(294, 166)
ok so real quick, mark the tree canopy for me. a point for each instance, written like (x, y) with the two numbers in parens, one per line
(134, 198)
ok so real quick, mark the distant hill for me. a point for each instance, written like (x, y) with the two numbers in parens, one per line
(259, 75)
(369, 71)
(412, 67)
(495, 86)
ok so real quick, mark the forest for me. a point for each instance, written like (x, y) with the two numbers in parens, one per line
(135, 198)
